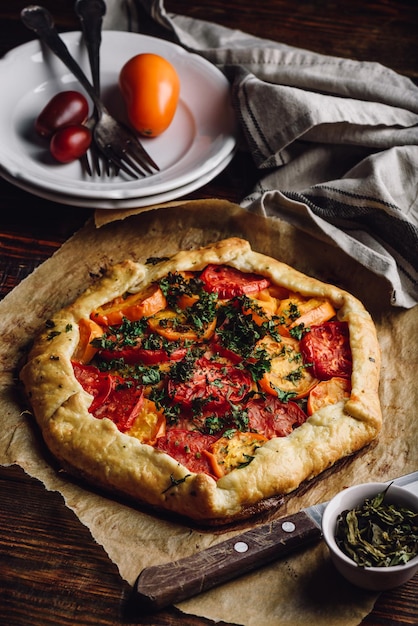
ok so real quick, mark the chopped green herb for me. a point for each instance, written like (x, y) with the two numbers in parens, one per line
(175, 481)
(154, 260)
(298, 331)
(284, 396)
(248, 460)
(183, 370)
(259, 364)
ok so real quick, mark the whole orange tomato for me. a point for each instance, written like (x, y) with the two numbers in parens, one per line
(150, 87)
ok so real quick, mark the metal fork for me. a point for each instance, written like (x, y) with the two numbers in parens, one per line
(114, 140)
(90, 14)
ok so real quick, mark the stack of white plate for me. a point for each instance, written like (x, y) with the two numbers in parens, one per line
(197, 146)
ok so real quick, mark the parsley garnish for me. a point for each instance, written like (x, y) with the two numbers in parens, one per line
(174, 285)
(127, 334)
(298, 331)
(248, 460)
(174, 482)
(284, 396)
(237, 331)
(183, 370)
(213, 424)
(203, 311)
(259, 365)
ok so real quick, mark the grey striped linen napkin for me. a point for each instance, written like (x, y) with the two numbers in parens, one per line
(335, 140)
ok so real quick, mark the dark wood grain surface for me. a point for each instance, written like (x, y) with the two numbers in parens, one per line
(51, 570)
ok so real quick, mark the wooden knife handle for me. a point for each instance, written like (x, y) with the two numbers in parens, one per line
(162, 585)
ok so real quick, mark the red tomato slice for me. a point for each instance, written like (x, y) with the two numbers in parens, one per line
(112, 397)
(122, 406)
(187, 448)
(272, 418)
(135, 354)
(218, 348)
(327, 347)
(96, 383)
(213, 384)
(229, 282)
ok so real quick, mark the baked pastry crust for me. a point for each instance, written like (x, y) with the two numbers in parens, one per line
(96, 450)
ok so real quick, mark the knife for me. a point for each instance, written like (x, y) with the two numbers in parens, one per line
(159, 586)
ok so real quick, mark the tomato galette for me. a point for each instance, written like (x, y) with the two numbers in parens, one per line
(206, 383)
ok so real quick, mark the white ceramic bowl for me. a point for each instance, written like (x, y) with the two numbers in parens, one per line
(373, 578)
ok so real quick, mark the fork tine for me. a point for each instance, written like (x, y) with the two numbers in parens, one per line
(95, 159)
(85, 164)
(138, 167)
(118, 161)
(136, 152)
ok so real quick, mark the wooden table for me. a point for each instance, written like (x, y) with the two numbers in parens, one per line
(51, 570)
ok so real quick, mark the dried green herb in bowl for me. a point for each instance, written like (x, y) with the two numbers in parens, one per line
(381, 540)
(377, 533)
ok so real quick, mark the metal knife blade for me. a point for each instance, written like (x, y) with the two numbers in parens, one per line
(160, 586)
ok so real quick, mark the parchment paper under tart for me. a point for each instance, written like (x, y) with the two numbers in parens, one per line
(303, 587)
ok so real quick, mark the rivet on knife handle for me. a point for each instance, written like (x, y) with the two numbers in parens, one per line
(162, 585)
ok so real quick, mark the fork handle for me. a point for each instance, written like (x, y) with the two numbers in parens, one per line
(40, 20)
(90, 14)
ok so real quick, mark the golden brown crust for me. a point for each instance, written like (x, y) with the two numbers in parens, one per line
(97, 450)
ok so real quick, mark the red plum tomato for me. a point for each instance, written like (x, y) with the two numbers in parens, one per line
(150, 87)
(70, 143)
(67, 108)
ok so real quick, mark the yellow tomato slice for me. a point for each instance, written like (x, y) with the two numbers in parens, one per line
(328, 392)
(134, 307)
(288, 374)
(149, 424)
(88, 330)
(228, 453)
(174, 327)
(296, 310)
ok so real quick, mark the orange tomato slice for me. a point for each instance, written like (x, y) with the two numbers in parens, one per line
(228, 453)
(173, 327)
(328, 392)
(265, 306)
(88, 330)
(134, 307)
(149, 424)
(185, 301)
(295, 311)
(278, 292)
(288, 373)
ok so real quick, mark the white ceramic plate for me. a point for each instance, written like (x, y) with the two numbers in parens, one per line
(200, 137)
(128, 203)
